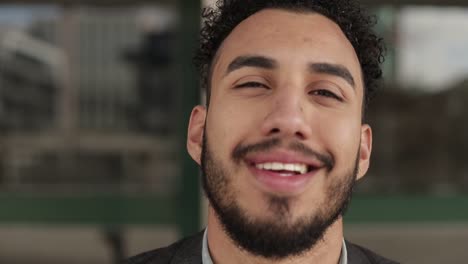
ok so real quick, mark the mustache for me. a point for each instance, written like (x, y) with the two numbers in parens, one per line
(241, 151)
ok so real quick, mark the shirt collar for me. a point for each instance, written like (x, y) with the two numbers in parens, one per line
(206, 257)
(344, 254)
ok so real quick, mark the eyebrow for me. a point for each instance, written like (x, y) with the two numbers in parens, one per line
(252, 61)
(333, 69)
(263, 62)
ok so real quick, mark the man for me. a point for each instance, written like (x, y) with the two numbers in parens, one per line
(282, 139)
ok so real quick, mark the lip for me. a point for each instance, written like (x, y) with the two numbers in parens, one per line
(273, 182)
(283, 156)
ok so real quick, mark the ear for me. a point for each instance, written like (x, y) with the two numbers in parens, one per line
(196, 128)
(365, 150)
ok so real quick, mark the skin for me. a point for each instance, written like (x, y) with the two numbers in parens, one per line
(288, 102)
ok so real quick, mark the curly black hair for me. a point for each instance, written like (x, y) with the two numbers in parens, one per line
(219, 22)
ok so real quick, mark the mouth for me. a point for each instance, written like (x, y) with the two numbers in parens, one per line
(283, 177)
(285, 169)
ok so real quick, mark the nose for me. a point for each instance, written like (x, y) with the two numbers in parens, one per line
(287, 118)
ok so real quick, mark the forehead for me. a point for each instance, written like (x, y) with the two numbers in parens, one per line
(289, 37)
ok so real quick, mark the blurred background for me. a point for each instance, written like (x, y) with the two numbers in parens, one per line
(94, 99)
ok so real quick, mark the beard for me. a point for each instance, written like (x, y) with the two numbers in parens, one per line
(279, 237)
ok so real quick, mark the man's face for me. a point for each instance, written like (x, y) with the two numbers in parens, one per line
(283, 139)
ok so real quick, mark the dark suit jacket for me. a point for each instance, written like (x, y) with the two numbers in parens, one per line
(188, 251)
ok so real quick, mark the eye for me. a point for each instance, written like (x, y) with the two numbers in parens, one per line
(252, 85)
(327, 93)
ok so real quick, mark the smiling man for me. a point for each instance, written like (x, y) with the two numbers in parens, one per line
(282, 139)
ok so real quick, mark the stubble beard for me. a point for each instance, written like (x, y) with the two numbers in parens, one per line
(278, 237)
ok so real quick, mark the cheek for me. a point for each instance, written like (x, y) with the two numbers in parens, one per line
(226, 126)
(343, 137)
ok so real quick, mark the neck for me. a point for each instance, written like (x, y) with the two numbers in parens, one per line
(224, 250)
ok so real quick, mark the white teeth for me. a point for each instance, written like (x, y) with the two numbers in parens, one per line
(285, 174)
(276, 166)
(290, 167)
